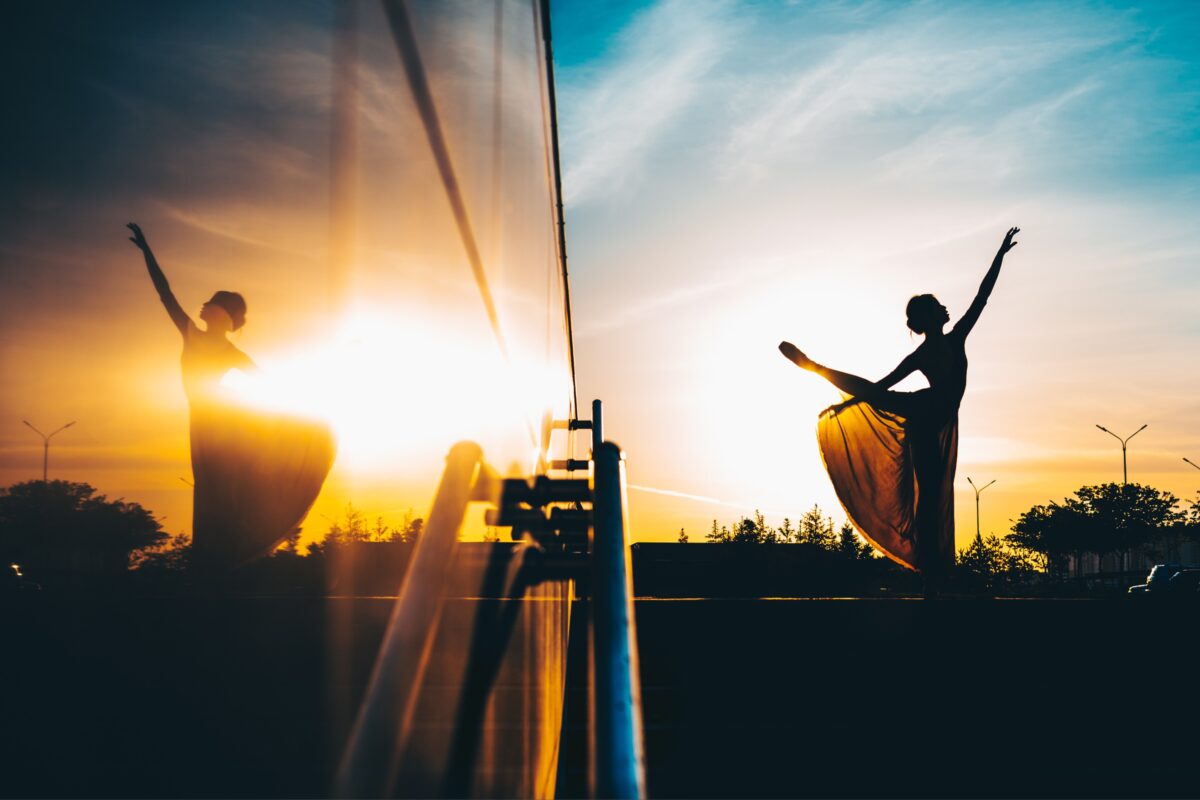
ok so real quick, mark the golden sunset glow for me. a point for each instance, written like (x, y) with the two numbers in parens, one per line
(703, 228)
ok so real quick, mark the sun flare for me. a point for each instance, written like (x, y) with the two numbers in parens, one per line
(398, 391)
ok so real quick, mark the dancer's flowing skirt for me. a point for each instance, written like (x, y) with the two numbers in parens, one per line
(892, 465)
(256, 477)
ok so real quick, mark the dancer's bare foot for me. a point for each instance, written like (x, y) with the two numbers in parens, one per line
(793, 354)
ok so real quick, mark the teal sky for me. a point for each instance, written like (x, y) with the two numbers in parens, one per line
(740, 173)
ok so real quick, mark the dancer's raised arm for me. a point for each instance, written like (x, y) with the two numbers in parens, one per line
(969, 319)
(852, 385)
(174, 310)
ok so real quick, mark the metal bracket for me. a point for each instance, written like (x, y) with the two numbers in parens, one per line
(550, 510)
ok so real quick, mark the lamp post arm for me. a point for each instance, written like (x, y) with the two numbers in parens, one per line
(1135, 433)
(31, 427)
(63, 428)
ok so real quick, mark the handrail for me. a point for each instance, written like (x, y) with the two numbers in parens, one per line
(616, 765)
(384, 719)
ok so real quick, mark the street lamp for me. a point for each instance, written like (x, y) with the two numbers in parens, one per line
(978, 491)
(1193, 463)
(46, 444)
(1125, 441)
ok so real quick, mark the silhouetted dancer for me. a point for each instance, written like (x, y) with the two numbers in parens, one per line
(891, 455)
(256, 473)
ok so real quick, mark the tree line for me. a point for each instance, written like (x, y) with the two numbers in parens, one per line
(1106, 519)
(1103, 520)
(56, 528)
(60, 526)
(814, 527)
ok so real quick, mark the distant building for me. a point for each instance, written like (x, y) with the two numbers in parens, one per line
(1136, 563)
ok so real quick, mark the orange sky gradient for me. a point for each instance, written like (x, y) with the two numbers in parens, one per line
(711, 213)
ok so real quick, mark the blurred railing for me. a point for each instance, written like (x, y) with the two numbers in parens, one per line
(478, 733)
(384, 722)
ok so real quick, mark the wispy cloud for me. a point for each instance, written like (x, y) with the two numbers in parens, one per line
(699, 498)
(643, 307)
(939, 77)
(611, 118)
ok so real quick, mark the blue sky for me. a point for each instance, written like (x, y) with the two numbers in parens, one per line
(738, 173)
(735, 174)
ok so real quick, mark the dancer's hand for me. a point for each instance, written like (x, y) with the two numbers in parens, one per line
(1009, 244)
(793, 354)
(138, 238)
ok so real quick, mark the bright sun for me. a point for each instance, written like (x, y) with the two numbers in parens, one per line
(399, 392)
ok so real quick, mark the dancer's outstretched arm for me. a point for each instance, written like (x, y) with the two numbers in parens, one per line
(174, 310)
(852, 385)
(969, 319)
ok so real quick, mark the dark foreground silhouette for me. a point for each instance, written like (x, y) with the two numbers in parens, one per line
(140, 697)
(892, 455)
(256, 474)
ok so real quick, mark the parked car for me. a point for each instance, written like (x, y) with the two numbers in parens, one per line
(1159, 578)
(13, 580)
(1185, 582)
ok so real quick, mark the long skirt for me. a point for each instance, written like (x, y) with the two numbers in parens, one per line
(892, 465)
(256, 477)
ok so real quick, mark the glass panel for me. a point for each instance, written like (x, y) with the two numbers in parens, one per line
(277, 151)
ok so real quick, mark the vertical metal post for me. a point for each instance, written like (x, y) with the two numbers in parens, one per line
(46, 437)
(386, 713)
(1124, 442)
(978, 491)
(597, 426)
(616, 764)
(977, 533)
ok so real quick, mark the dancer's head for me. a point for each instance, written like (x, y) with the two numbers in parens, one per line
(225, 311)
(926, 314)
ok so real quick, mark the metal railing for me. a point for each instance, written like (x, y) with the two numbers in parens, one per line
(550, 517)
(616, 763)
(385, 716)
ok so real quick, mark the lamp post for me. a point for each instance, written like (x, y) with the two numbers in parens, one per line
(1125, 441)
(1193, 463)
(978, 491)
(46, 444)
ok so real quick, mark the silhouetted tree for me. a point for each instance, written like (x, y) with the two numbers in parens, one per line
(410, 528)
(816, 528)
(353, 527)
(1125, 516)
(290, 543)
(1102, 519)
(172, 555)
(853, 546)
(753, 530)
(718, 535)
(987, 564)
(1191, 520)
(1050, 534)
(65, 526)
(683, 537)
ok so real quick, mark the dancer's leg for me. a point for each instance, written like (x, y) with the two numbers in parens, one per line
(850, 384)
(927, 466)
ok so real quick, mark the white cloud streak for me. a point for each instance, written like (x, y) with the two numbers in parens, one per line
(658, 72)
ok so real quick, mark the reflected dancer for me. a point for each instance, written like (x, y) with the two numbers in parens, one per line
(891, 455)
(256, 473)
